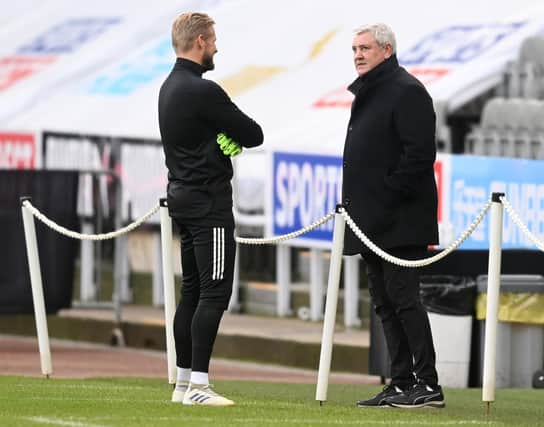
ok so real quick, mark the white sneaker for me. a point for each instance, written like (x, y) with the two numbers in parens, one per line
(179, 392)
(203, 394)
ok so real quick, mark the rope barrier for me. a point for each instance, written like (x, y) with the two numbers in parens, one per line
(283, 237)
(517, 220)
(75, 235)
(250, 241)
(263, 241)
(414, 263)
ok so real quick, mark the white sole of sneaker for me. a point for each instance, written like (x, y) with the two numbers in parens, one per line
(190, 403)
(437, 405)
(177, 396)
(375, 406)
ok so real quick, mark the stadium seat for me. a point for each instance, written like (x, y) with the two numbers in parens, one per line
(493, 114)
(537, 148)
(525, 77)
(532, 51)
(511, 127)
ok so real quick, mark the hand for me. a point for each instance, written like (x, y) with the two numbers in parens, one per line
(223, 140)
(228, 146)
(233, 149)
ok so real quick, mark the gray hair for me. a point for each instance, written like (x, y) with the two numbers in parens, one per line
(381, 33)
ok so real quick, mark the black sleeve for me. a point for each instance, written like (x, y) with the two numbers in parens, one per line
(415, 123)
(226, 117)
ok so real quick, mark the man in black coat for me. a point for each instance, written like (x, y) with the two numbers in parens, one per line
(200, 129)
(390, 192)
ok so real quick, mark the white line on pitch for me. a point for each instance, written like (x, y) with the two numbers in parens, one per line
(90, 399)
(317, 421)
(60, 422)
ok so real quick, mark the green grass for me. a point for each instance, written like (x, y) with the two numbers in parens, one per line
(145, 402)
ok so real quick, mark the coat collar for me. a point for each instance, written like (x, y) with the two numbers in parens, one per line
(375, 75)
(186, 64)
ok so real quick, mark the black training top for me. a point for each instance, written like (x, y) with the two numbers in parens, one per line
(192, 111)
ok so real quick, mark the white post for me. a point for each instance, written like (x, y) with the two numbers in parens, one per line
(87, 288)
(493, 283)
(157, 291)
(169, 292)
(37, 289)
(116, 295)
(316, 284)
(124, 270)
(234, 304)
(351, 292)
(119, 253)
(330, 308)
(283, 277)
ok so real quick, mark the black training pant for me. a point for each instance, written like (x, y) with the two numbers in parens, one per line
(395, 295)
(207, 261)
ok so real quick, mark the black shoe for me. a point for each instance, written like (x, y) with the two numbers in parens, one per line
(419, 396)
(381, 398)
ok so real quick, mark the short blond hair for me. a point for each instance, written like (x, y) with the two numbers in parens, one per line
(187, 27)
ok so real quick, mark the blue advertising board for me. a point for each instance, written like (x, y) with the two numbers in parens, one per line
(306, 187)
(474, 178)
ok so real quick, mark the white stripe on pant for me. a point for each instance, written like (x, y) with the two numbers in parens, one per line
(222, 252)
(218, 253)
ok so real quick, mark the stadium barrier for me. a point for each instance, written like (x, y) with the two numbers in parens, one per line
(28, 214)
(332, 289)
(496, 204)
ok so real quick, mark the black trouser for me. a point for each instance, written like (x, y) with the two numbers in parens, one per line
(207, 261)
(395, 294)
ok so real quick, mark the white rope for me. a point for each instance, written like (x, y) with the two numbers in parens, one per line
(292, 235)
(261, 241)
(414, 263)
(517, 220)
(75, 235)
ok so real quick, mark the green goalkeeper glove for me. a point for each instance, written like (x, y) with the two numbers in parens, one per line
(233, 149)
(228, 146)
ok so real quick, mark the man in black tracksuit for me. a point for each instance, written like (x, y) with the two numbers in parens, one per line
(390, 192)
(192, 113)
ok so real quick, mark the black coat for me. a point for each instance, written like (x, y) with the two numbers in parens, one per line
(389, 187)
